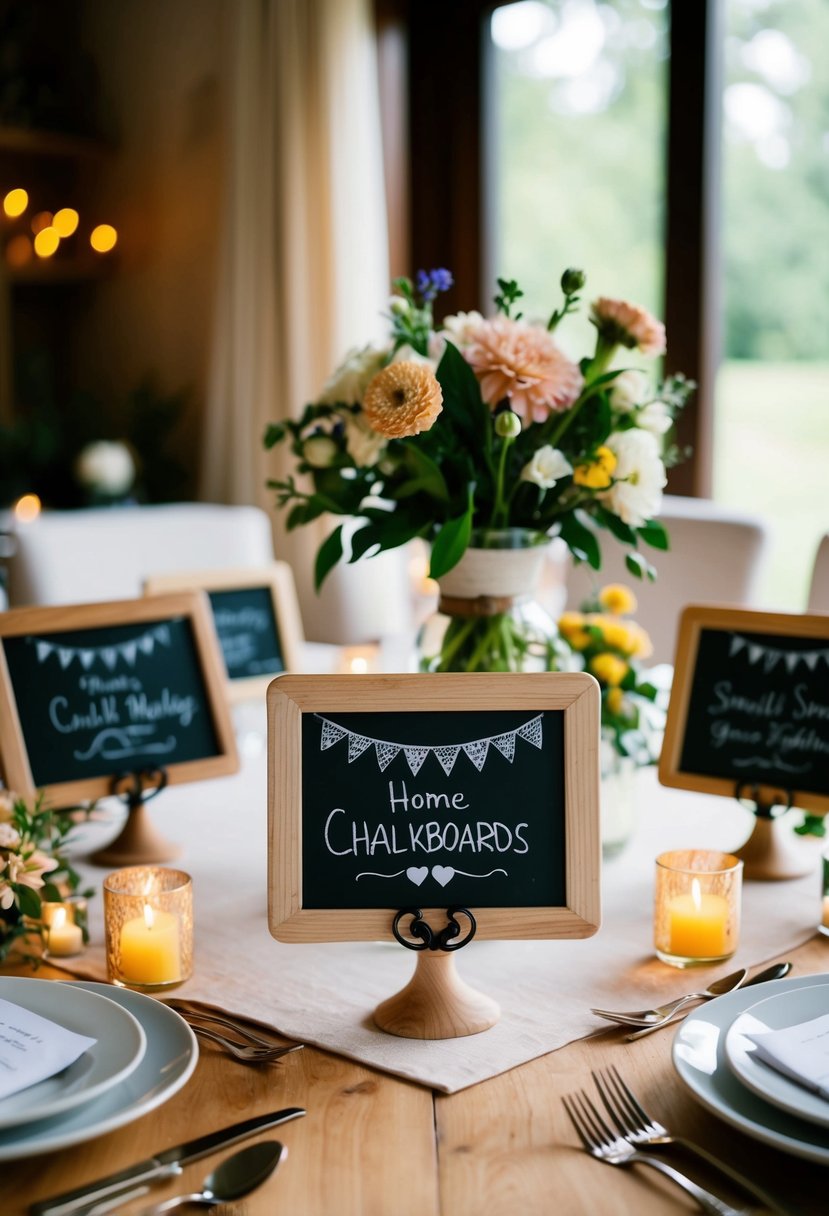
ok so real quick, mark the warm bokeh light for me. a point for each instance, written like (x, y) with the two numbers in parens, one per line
(65, 221)
(103, 238)
(27, 508)
(42, 220)
(46, 242)
(18, 251)
(15, 203)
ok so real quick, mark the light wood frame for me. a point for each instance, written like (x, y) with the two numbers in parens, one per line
(20, 622)
(694, 619)
(278, 578)
(289, 697)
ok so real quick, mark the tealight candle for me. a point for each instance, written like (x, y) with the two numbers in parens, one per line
(63, 937)
(148, 914)
(697, 906)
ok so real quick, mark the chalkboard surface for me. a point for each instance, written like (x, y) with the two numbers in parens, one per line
(248, 631)
(750, 704)
(413, 808)
(91, 691)
(401, 791)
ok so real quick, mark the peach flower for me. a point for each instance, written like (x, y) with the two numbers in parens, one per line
(403, 399)
(522, 362)
(629, 325)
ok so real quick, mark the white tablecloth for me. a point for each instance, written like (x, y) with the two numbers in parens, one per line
(324, 994)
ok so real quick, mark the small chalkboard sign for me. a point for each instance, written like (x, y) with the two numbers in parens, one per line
(256, 614)
(91, 691)
(749, 708)
(387, 792)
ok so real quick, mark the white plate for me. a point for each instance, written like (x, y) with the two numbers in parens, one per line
(121, 1043)
(168, 1063)
(776, 1013)
(699, 1058)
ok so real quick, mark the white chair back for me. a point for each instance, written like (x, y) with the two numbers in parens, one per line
(715, 557)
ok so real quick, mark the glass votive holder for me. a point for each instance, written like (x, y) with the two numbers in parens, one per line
(823, 927)
(148, 920)
(697, 906)
(64, 924)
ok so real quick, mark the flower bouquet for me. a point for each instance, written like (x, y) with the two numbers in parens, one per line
(480, 434)
(31, 847)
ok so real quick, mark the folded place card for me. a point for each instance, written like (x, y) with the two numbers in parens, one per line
(33, 1048)
(800, 1053)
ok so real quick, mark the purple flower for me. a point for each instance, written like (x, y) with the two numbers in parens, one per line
(432, 282)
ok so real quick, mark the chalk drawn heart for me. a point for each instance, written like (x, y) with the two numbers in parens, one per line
(417, 874)
(443, 874)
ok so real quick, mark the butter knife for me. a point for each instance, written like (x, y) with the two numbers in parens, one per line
(161, 1165)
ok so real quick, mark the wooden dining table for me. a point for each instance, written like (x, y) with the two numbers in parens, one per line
(372, 1144)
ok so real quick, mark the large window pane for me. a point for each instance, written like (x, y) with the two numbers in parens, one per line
(772, 418)
(577, 97)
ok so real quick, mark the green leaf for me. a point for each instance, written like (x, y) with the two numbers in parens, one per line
(622, 532)
(274, 433)
(426, 474)
(50, 893)
(581, 542)
(451, 543)
(641, 568)
(29, 901)
(330, 552)
(648, 691)
(305, 512)
(388, 531)
(462, 402)
(654, 534)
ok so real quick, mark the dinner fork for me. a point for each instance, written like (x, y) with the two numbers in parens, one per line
(249, 1053)
(603, 1144)
(641, 1130)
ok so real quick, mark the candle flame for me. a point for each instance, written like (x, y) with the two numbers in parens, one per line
(696, 894)
(359, 666)
(149, 916)
(58, 918)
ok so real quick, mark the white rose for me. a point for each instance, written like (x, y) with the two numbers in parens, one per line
(351, 378)
(628, 390)
(320, 451)
(655, 417)
(106, 467)
(9, 836)
(461, 327)
(636, 494)
(364, 445)
(547, 466)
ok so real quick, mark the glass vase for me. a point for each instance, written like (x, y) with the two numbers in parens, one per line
(488, 618)
(617, 792)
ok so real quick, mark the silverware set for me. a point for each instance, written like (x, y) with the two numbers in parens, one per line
(233, 1035)
(631, 1135)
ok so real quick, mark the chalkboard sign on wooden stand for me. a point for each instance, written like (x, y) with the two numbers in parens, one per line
(257, 619)
(749, 718)
(96, 695)
(423, 792)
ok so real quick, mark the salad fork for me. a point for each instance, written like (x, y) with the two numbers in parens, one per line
(603, 1144)
(642, 1131)
(249, 1053)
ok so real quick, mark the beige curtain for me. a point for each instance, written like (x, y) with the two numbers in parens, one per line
(304, 261)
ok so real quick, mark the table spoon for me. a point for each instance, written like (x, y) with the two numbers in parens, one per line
(662, 1013)
(232, 1178)
(775, 972)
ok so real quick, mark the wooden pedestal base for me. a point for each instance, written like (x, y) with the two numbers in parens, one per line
(771, 854)
(137, 844)
(436, 1003)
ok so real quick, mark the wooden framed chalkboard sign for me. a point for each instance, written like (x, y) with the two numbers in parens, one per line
(257, 619)
(91, 692)
(431, 791)
(749, 712)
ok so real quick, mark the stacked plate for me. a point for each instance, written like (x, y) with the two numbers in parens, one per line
(716, 1061)
(144, 1052)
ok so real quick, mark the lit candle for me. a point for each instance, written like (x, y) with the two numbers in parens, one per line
(151, 948)
(698, 924)
(64, 937)
(824, 923)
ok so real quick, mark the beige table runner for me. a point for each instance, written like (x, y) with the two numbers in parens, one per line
(324, 994)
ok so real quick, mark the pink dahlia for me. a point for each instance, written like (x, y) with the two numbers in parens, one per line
(629, 325)
(522, 362)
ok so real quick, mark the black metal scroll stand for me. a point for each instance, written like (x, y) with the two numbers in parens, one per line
(138, 843)
(771, 852)
(436, 1003)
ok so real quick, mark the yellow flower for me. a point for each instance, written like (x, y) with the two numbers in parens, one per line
(618, 599)
(608, 668)
(614, 700)
(598, 473)
(619, 635)
(571, 627)
(641, 644)
(403, 399)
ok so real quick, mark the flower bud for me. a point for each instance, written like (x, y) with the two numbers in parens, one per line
(399, 306)
(507, 425)
(320, 451)
(572, 281)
